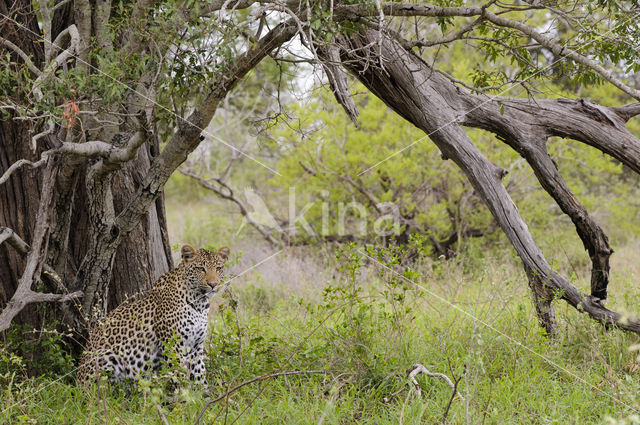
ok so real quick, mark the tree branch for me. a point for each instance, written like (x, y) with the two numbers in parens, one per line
(525, 125)
(627, 112)
(225, 192)
(20, 163)
(62, 57)
(422, 98)
(361, 10)
(9, 236)
(338, 80)
(23, 294)
(22, 55)
(108, 152)
(560, 50)
(358, 11)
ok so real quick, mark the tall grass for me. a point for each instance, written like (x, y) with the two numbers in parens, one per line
(469, 317)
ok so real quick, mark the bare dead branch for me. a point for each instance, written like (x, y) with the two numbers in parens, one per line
(221, 189)
(338, 81)
(50, 127)
(107, 151)
(22, 248)
(417, 369)
(627, 111)
(8, 235)
(62, 57)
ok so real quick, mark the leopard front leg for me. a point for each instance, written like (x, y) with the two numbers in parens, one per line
(195, 365)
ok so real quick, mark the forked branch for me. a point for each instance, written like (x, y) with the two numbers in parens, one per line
(24, 295)
(222, 190)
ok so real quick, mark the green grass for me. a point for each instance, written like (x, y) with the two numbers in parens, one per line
(367, 335)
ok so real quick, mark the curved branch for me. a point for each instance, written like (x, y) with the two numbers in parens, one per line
(62, 57)
(225, 192)
(22, 248)
(627, 112)
(16, 165)
(407, 86)
(22, 55)
(593, 237)
(525, 125)
(107, 151)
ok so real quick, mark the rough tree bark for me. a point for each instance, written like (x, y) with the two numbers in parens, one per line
(107, 222)
(408, 85)
(143, 255)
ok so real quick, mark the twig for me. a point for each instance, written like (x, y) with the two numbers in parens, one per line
(251, 381)
(27, 60)
(9, 236)
(454, 392)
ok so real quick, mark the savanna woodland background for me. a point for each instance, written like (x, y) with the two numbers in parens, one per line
(400, 183)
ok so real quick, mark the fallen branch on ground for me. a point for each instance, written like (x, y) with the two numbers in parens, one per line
(417, 369)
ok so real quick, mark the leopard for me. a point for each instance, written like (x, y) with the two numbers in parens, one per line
(132, 340)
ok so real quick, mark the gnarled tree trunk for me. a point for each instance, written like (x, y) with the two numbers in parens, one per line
(141, 258)
(101, 225)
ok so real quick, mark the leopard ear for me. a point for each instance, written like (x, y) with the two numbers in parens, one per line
(224, 253)
(188, 253)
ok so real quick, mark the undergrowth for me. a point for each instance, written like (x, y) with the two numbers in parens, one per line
(366, 325)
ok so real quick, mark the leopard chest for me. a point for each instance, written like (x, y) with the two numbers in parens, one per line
(192, 326)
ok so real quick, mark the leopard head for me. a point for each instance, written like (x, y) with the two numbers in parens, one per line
(203, 268)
